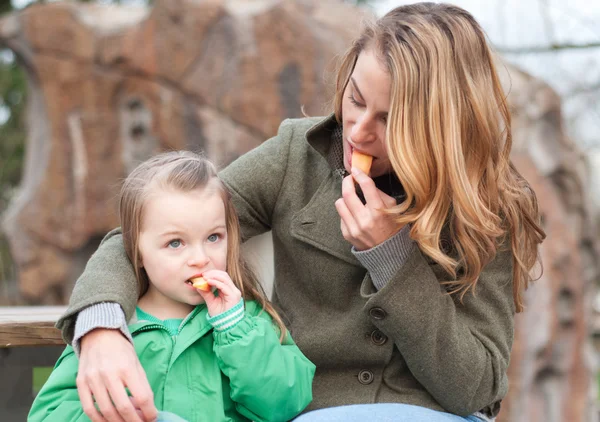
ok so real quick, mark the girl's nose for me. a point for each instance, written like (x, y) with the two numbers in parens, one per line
(198, 257)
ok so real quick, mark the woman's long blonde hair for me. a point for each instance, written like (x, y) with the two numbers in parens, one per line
(449, 139)
(185, 171)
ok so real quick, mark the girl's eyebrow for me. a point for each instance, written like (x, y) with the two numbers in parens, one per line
(171, 233)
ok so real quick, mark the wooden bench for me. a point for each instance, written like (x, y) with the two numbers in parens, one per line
(29, 326)
(28, 343)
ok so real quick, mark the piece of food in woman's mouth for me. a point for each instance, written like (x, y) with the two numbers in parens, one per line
(362, 161)
(200, 284)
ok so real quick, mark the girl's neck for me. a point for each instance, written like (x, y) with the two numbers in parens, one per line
(162, 307)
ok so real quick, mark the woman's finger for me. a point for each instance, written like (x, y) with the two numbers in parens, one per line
(388, 201)
(351, 199)
(87, 401)
(346, 217)
(120, 400)
(103, 400)
(370, 191)
(141, 393)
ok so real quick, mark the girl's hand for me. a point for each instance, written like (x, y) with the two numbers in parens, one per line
(229, 294)
(365, 226)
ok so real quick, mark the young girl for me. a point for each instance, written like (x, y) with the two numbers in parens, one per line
(217, 355)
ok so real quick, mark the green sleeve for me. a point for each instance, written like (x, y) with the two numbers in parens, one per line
(108, 277)
(269, 381)
(255, 180)
(58, 400)
(458, 351)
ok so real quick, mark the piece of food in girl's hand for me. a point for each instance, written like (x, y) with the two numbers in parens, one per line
(362, 161)
(200, 283)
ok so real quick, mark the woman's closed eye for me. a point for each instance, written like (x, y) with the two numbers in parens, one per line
(354, 102)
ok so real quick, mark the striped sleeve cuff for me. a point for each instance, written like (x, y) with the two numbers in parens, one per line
(385, 259)
(101, 315)
(227, 320)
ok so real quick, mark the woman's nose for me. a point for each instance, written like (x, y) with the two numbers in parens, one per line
(361, 131)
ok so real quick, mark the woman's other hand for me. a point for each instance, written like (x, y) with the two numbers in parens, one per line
(107, 365)
(365, 225)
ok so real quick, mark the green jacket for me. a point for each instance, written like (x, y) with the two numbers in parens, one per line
(409, 342)
(202, 374)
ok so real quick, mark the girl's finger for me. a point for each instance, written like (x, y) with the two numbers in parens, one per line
(225, 289)
(209, 297)
(218, 275)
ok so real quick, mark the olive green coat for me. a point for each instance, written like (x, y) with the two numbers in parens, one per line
(410, 342)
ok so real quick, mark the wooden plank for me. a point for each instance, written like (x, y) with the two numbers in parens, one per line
(30, 313)
(29, 326)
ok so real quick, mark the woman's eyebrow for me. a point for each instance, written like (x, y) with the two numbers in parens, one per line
(381, 113)
(356, 87)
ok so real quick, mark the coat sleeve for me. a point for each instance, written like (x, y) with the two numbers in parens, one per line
(458, 351)
(108, 277)
(255, 180)
(269, 380)
(58, 400)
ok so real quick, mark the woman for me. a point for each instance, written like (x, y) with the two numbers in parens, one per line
(401, 291)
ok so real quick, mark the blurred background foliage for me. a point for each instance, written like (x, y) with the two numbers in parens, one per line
(13, 100)
(13, 92)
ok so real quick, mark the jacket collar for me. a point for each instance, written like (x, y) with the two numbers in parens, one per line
(326, 137)
(320, 135)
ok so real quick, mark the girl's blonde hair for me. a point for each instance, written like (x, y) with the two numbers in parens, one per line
(185, 171)
(449, 138)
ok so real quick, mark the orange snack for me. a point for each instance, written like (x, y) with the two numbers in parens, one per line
(200, 284)
(362, 161)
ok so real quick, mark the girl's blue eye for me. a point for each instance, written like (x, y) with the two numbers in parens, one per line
(175, 243)
(213, 238)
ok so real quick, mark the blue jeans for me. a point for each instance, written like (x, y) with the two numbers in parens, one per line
(169, 417)
(381, 412)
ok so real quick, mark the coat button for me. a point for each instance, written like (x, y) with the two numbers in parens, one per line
(378, 338)
(377, 313)
(365, 377)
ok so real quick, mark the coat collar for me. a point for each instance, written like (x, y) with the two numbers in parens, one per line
(326, 137)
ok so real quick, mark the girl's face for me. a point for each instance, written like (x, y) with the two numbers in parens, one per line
(364, 112)
(183, 234)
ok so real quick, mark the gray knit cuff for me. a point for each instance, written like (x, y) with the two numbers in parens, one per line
(101, 315)
(385, 259)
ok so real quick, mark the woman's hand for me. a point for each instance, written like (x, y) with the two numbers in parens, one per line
(108, 364)
(229, 294)
(365, 226)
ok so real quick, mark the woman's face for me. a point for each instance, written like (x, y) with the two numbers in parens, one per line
(365, 109)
